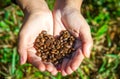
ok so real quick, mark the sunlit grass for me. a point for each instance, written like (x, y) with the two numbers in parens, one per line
(104, 62)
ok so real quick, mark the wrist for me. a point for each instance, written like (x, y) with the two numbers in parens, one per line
(32, 6)
(67, 4)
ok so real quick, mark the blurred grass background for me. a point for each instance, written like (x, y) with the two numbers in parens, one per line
(103, 17)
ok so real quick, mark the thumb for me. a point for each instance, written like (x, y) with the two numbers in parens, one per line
(87, 41)
(22, 50)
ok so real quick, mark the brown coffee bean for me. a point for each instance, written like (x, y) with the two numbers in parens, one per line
(38, 54)
(68, 46)
(47, 52)
(72, 38)
(46, 38)
(54, 50)
(41, 48)
(61, 38)
(52, 46)
(43, 57)
(50, 37)
(63, 54)
(61, 51)
(38, 40)
(41, 43)
(73, 49)
(44, 32)
(57, 52)
(48, 42)
(69, 51)
(42, 40)
(54, 59)
(38, 50)
(57, 46)
(65, 39)
(37, 45)
(44, 46)
(70, 43)
(54, 43)
(56, 62)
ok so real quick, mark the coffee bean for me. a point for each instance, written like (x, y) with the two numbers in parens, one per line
(61, 38)
(52, 46)
(56, 62)
(68, 46)
(57, 52)
(44, 32)
(54, 50)
(55, 43)
(47, 52)
(42, 40)
(38, 40)
(41, 48)
(63, 54)
(38, 54)
(54, 59)
(57, 46)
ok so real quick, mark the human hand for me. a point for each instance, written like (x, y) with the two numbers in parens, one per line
(33, 24)
(68, 18)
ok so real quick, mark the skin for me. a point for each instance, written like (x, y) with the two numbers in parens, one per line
(34, 22)
(64, 13)
(38, 17)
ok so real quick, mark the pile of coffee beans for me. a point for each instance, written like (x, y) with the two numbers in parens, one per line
(52, 49)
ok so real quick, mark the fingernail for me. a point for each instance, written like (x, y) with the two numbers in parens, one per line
(42, 69)
(64, 74)
(54, 74)
(21, 60)
(88, 52)
(74, 68)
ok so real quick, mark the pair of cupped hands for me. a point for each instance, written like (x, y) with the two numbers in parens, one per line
(54, 22)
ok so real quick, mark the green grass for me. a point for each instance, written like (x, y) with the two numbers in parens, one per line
(103, 17)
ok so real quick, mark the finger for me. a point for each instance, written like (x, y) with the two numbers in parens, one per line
(86, 39)
(49, 67)
(77, 59)
(87, 49)
(54, 72)
(58, 25)
(58, 67)
(64, 63)
(23, 55)
(36, 61)
(22, 50)
(68, 68)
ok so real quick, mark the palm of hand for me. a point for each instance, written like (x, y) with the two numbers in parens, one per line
(76, 24)
(33, 25)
